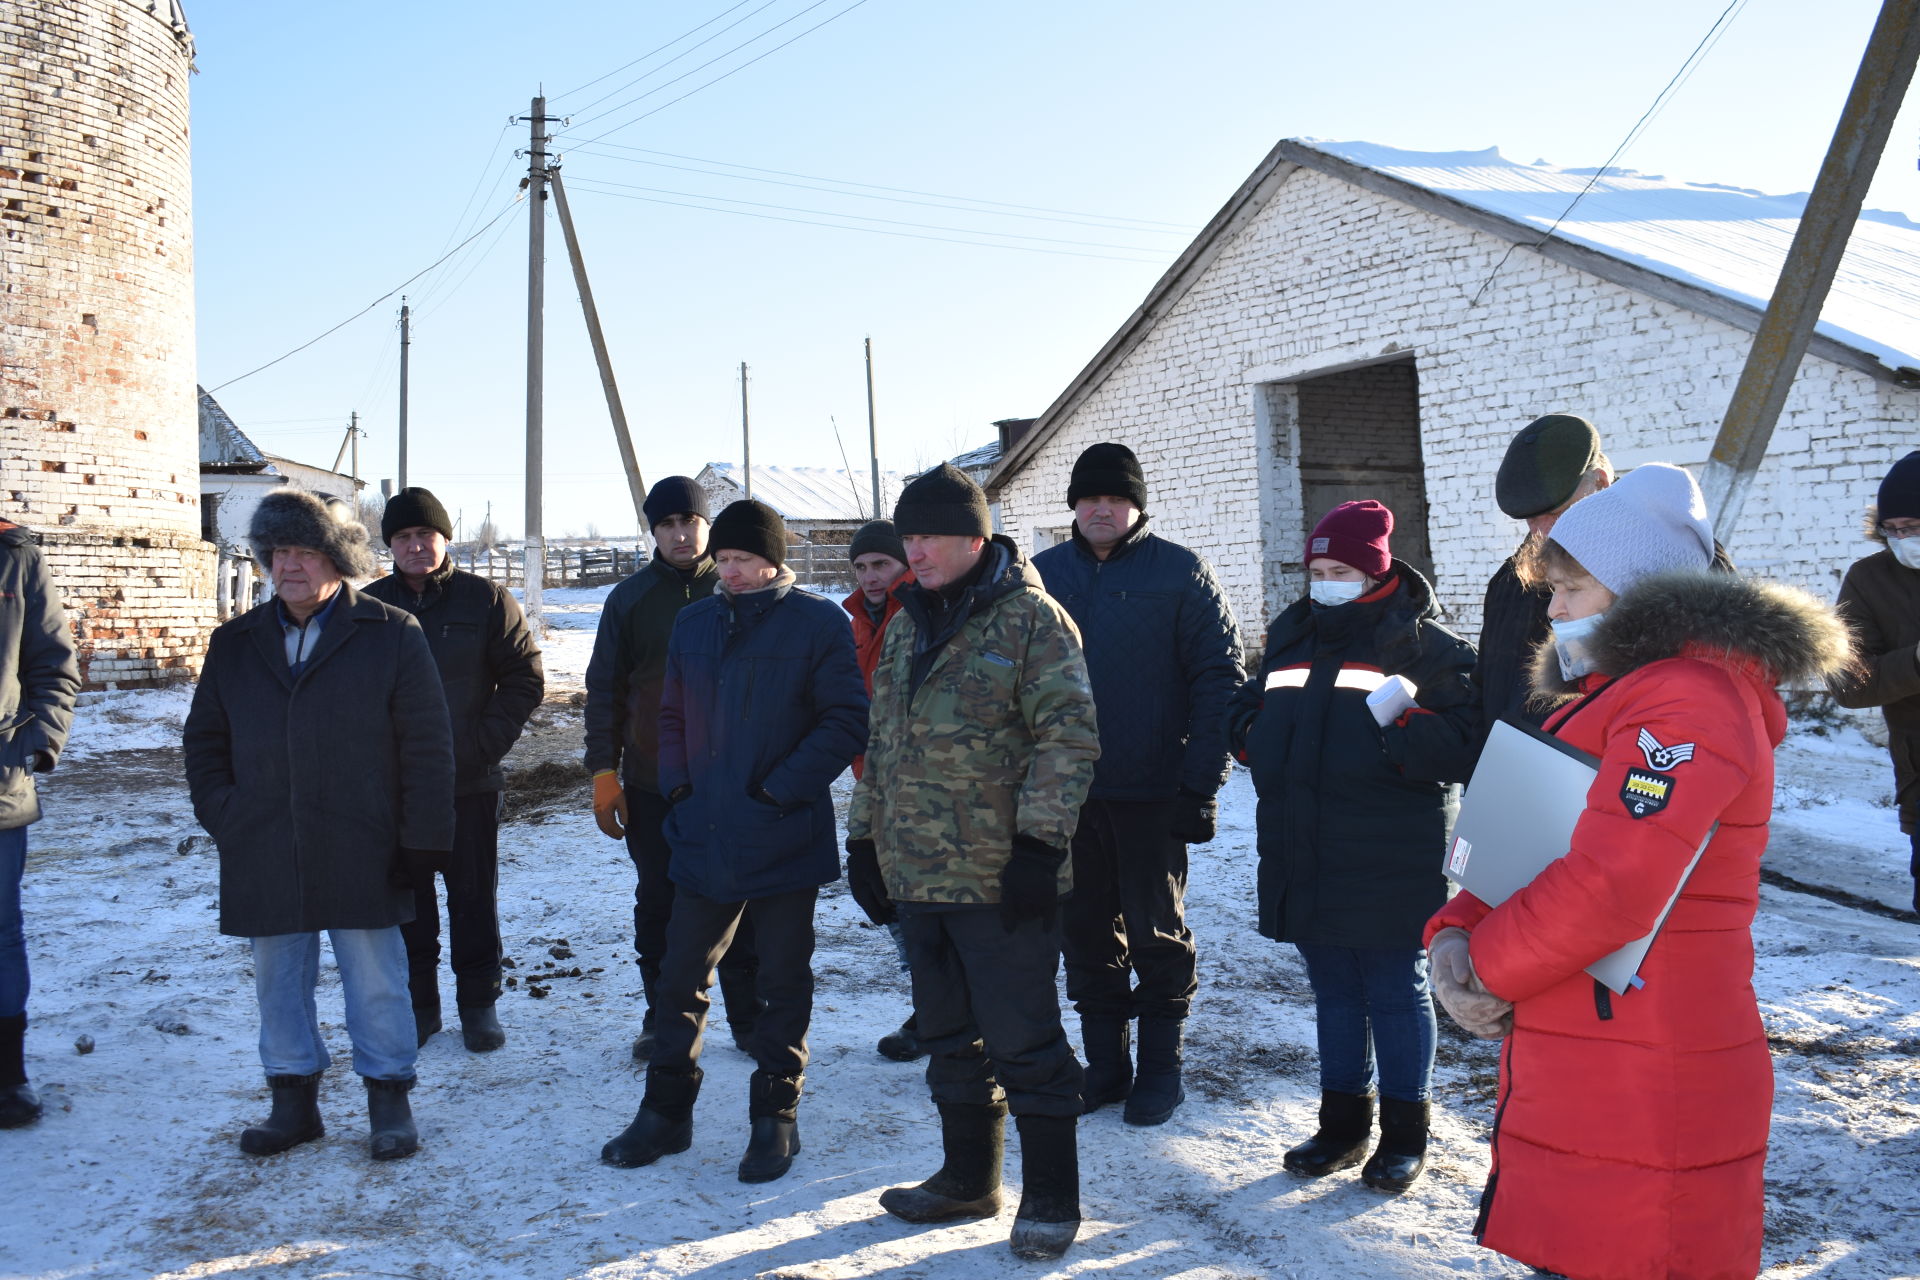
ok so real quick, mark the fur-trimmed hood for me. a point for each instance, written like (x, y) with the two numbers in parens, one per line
(297, 518)
(1793, 635)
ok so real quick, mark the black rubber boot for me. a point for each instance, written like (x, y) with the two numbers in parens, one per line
(1156, 1086)
(19, 1104)
(1049, 1216)
(773, 1106)
(480, 1029)
(295, 1117)
(1109, 1076)
(664, 1124)
(1346, 1122)
(391, 1120)
(903, 1045)
(426, 1020)
(973, 1138)
(1397, 1162)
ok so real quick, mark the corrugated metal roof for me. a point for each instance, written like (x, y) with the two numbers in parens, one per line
(1726, 239)
(804, 493)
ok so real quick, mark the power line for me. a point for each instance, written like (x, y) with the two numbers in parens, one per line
(1660, 99)
(858, 217)
(724, 75)
(371, 305)
(485, 167)
(935, 201)
(675, 58)
(471, 268)
(772, 217)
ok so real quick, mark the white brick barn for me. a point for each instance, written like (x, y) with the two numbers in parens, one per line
(1362, 322)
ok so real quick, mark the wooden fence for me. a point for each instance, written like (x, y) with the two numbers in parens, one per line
(819, 567)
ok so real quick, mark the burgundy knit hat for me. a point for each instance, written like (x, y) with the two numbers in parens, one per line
(1355, 533)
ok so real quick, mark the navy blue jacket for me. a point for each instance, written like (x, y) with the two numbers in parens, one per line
(763, 694)
(1163, 653)
(1353, 819)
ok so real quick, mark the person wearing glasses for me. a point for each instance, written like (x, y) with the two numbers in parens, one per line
(1880, 599)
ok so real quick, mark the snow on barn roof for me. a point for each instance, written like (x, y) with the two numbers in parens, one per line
(1730, 240)
(806, 493)
(223, 445)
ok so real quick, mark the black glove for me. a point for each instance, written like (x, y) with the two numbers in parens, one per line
(679, 793)
(866, 884)
(761, 795)
(1030, 884)
(1192, 819)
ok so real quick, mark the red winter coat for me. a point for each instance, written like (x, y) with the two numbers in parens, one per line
(1630, 1137)
(867, 639)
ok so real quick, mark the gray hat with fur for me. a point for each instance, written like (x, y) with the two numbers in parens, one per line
(296, 518)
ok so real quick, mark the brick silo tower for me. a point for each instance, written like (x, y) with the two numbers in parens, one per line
(99, 432)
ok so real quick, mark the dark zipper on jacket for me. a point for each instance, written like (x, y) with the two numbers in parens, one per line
(1493, 1146)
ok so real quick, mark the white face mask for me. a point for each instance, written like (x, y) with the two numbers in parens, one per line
(1906, 551)
(1333, 593)
(1570, 645)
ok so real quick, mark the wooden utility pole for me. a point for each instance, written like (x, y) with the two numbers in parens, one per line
(534, 553)
(406, 336)
(873, 437)
(1825, 225)
(636, 487)
(746, 435)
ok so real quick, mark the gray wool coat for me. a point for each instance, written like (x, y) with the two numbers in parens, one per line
(312, 787)
(39, 675)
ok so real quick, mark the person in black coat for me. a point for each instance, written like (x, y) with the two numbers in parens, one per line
(320, 759)
(1163, 654)
(763, 707)
(490, 670)
(1352, 826)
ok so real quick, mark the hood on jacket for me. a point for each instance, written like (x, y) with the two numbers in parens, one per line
(17, 535)
(1792, 635)
(1872, 530)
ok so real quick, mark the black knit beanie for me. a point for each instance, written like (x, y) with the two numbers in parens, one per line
(414, 508)
(1545, 464)
(1900, 491)
(1108, 469)
(676, 496)
(877, 537)
(943, 500)
(752, 527)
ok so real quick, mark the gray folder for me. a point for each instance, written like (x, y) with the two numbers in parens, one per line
(1518, 815)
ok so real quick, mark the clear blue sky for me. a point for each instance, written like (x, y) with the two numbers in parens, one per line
(336, 147)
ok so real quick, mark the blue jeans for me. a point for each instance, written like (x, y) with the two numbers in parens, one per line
(13, 939)
(373, 974)
(1370, 1000)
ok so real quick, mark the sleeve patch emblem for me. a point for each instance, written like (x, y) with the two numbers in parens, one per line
(1662, 758)
(1645, 792)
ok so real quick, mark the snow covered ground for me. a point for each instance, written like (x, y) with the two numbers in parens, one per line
(134, 1171)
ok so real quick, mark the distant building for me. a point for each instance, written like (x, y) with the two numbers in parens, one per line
(820, 504)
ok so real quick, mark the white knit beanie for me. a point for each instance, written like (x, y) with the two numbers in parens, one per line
(1649, 521)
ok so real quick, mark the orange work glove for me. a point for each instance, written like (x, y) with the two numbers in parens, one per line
(610, 804)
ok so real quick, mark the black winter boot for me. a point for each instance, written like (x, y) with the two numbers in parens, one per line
(903, 1045)
(426, 1020)
(19, 1104)
(1049, 1216)
(391, 1120)
(480, 1029)
(295, 1117)
(1156, 1086)
(1402, 1152)
(1346, 1122)
(973, 1138)
(1109, 1076)
(773, 1106)
(664, 1124)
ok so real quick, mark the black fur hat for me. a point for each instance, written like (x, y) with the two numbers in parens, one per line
(297, 518)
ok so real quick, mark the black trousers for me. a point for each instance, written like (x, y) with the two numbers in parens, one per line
(985, 1009)
(473, 912)
(699, 933)
(1129, 952)
(653, 898)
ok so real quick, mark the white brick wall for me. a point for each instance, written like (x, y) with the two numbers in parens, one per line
(1329, 275)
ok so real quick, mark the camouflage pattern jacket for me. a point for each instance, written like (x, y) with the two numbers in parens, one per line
(997, 737)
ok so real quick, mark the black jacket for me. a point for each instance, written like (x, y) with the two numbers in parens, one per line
(629, 665)
(311, 787)
(1163, 652)
(489, 666)
(39, 675)
(1513, 623)
(1353, 819)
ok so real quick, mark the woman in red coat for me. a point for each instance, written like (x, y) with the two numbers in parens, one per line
(1630, 1137)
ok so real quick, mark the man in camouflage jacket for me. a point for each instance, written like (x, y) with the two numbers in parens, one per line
(981, 750)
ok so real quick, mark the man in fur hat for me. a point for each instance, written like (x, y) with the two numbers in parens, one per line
(320, 759)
